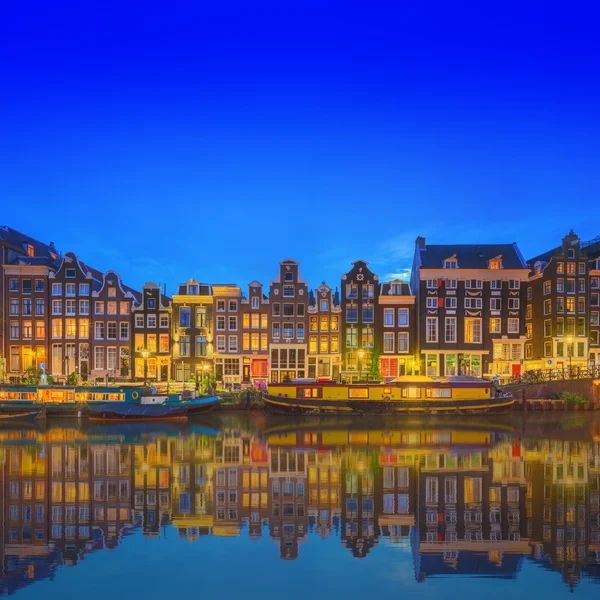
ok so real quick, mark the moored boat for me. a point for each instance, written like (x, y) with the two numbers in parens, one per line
(65, 401)
(130, 411)
(411, 394)
(22, 416)
(153, 407)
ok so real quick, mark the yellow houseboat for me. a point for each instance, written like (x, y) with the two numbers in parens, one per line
(411, 394)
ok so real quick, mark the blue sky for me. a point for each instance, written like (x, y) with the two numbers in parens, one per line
(174, 140)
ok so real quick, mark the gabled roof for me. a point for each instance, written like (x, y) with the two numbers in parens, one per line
(472, 256)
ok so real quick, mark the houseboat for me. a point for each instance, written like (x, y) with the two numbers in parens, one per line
(66, 401)
(409, 394)
(70, 401)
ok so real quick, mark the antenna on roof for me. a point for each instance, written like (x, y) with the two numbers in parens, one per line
(164, 289)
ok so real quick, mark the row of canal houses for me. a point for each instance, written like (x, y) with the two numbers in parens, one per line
(478, 310)
(479, 509)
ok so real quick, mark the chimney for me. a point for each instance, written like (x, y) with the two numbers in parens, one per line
(420, 242)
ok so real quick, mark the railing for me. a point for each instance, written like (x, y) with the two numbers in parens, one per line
(547, 375)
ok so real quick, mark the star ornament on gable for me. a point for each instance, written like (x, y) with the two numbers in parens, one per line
(360, 277)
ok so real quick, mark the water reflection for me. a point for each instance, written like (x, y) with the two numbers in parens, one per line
(476, 499)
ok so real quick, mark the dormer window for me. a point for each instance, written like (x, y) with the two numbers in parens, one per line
(193, 290)
(537, 268)
(495, 263)
(450, 263)
(396, 288)
(30, 250)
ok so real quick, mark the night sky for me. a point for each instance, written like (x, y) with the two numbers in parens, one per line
(213, 140)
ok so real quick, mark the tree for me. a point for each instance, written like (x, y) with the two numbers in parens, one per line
(374, 372)
(72, 378)
(32, 376)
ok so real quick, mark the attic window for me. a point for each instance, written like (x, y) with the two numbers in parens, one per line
(396, 288)
(30, 250)
(193, 290)
(450, 263)
(495, 263)
(70, 273)
(538, 268)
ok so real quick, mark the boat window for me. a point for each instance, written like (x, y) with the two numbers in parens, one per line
(387, 391)
(58, 396)
(411, 392)
(309, 393)
(439, 393)
(360, 392)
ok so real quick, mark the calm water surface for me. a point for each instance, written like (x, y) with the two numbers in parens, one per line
(254, 507)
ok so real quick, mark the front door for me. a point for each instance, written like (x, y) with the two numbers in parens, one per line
(246, 376)
(164, 372)
(516, 371)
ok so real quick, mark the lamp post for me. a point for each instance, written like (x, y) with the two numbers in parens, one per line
(361, 355)
(570, 354)
(145, 354)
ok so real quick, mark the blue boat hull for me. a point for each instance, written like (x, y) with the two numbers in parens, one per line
(136, 412)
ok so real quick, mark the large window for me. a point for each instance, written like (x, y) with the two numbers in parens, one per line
(352, 337)
(352, 313)
(451, 330)
(472, 331)
(367, 313)
(99, 358)
(288, 330)
(220, 343)
(402, 343)
(513, 325)
(200, 349)
(184, 345)
(431, 330)
(351, 290)
(368, 291)
(367, 337)
(184, 317)
(388, 342)
(403, 317)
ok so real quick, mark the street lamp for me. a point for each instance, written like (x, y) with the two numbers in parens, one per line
(145, 354)
(361, 355)
(570, 353)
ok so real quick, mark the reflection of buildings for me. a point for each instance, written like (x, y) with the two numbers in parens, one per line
(60, 502)
(562, 503)
(463, 503)
(288, 474)
(360, 474)
(324, 491)
(152, 478)
(192, 490)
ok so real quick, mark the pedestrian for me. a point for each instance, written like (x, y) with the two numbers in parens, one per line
(209, 390)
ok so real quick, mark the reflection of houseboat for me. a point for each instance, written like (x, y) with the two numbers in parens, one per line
(412, 394)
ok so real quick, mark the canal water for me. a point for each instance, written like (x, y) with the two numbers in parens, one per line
(249, 506)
